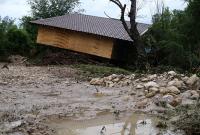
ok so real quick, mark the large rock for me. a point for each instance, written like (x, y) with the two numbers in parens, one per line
(173, 89)
(151, 84)
(177, 83)
(139, 86)
(172, 73)
(151, 94)
(191, 94)
(194, 95)
(168, 99)
(152, 77)
(164, 90)
(194, 82)
(7, 127)
(171, 100)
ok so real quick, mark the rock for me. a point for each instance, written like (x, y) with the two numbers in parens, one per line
(116, 80)
(151, 84)
(176, 102)
(193, 80)
(194, 95)
(6, 127)
(126, 82)
(172, 73)
(186, 94)
(96, 81)
(139, 86)
(177, 83)
(145, 80)
(152, 77)
(185, 78)
(154, 89)
(164, 90)
(109, 84)
(168, 99)
(173, 89)
(151, 94)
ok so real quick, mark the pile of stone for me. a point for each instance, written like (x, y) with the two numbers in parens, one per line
(113, 80)
(168, 87)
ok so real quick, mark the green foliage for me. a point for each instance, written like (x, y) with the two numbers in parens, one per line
(51, 8)
(12, 39)
(100, 71)
(174, 37)
(28, 27)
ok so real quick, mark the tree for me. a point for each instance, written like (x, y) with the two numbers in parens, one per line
(132, 30)
(51, 8)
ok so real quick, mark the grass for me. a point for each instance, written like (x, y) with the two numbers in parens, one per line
(185, 118)
(92, 71)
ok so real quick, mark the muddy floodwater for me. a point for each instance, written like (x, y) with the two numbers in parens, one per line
(135, 124)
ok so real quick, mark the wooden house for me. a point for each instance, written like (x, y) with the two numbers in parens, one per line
(104, 37)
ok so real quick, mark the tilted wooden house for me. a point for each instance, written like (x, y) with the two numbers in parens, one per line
(104, 37)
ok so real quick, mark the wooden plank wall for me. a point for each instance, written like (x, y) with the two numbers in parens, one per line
(76, 41)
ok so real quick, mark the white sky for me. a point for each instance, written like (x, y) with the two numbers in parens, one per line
(18, 8)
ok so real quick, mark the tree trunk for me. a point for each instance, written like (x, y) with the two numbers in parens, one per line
(133, 31)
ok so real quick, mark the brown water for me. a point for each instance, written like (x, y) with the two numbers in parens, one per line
(136, 124)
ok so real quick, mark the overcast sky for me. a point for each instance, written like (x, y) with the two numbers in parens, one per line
(18, 8)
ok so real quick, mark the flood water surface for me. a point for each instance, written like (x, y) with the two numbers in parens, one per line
(136, 124)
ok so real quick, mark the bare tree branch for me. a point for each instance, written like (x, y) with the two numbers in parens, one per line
(123, 9)
(108, 16)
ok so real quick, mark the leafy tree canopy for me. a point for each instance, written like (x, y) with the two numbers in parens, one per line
(52, 8)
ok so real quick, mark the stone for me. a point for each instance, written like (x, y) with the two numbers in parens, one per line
(151, 84)
(152, 77)
(177, 83)
(185, 78)
(187, 94)
(164, 90)
(139, 86)
(109, 84)
(145, 80)
(151, 94)
(194, 95)
(168, 99)
(96, 81)
(116, 79)
(172, 73)
(176, 102)
(173, 89)
(192, 80)
(6, 127)
(154, 89)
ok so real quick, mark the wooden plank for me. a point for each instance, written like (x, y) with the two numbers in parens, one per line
(76, 41)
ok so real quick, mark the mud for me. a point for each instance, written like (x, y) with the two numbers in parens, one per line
(36, 94)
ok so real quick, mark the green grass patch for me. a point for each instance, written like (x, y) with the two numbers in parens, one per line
(99, 71)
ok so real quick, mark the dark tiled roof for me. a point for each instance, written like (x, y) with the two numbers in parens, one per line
(107, 27)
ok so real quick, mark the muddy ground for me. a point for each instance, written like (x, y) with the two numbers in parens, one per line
(31, 96)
